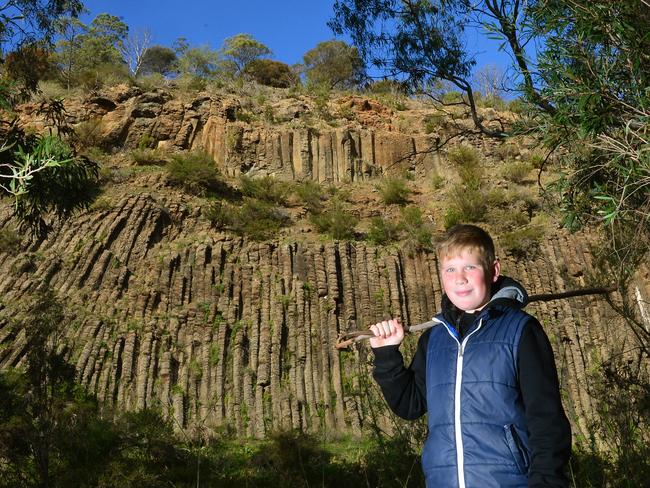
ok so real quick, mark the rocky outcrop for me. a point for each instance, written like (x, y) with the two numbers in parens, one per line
(127, 117)
(310, 154)
(222, 332)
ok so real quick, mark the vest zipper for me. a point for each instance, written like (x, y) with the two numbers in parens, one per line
(460, 457)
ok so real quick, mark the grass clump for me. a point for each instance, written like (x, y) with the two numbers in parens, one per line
(469, 203)
(523, 242)
(507, 151)
(393, 191)
(516, 171)
(417, 232)
(265, 188)
(311, 195)
(148, 157)
(88, 133)
(255, 219)
(467, 162)
(383, 231)
(196, 173)
(336, 221)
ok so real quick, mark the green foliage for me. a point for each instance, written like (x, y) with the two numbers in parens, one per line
(88, 133)
(264, 188)
(393, 191)
(28, 65)
(417, 231)
(158, 59)
(334, 64)
(383, 231)
(507, 150)
(87, 53)
(467, 162)
(196, 173)
(271, 73)
(516, 171)
(336, 221)
(597, 75)
(421, 43)
(386, 86)
(199, 62)
(256, 219)
(311, 194)
(617, 453)
(47, 177)
(26, 21)
(468, 204)
(242, 49)
(432, 122)
(151, 157)
(523, 242)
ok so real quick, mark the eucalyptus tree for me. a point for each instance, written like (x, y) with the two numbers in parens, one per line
(242, 49)
(334, 63)
(423, 41)
(30, 20)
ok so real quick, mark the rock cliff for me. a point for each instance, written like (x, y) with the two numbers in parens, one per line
(221, 332)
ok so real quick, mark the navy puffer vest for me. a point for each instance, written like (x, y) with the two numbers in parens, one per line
(477, 429)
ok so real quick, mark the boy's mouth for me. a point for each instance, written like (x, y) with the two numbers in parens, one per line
(463, 293)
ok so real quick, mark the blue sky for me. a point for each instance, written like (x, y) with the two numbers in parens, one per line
(289, 28)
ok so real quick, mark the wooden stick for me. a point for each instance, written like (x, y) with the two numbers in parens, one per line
(346, 339)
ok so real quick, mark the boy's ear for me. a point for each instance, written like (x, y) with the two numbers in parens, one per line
(496, 270)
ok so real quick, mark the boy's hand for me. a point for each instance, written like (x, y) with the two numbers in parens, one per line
(387, 333)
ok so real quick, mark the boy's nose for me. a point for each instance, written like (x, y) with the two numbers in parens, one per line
(460, 277)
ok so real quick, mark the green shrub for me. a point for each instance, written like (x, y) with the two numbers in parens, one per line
(464, 155)
(432, 122)
(311, 195)
(469, 203)
(271, 73)
(497, 197)
(258, 220)
(336, 221)
(452, 97)
(516, 171)
(536, 159)
(509, 218)
(196, 173)
(452, 217)
(467, 162)
(264, 188)
(383, 231)
(191, 83)
(393, 191)
(151, 81)
(523, 242)
(220, 214)
(417, 232)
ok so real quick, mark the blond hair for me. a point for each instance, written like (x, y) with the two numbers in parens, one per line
(466, 237)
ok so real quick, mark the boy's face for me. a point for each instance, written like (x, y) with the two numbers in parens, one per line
(466, 282)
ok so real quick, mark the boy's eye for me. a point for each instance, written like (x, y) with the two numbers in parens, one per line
(470, 266)
(449, 270)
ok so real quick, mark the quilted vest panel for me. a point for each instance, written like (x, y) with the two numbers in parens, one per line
(477, 430)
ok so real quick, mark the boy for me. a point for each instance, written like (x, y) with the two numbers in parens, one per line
(485, 374)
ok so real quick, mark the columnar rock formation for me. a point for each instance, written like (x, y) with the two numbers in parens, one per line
(221, 332)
